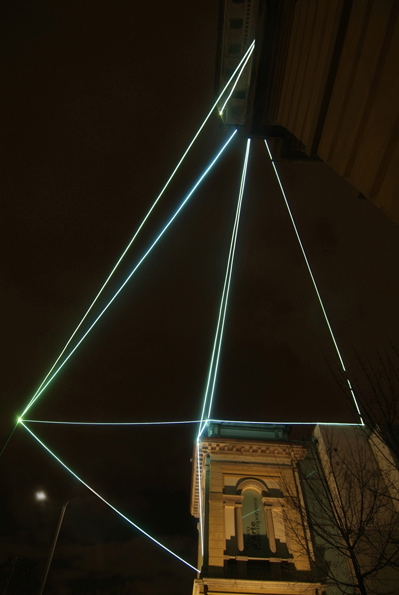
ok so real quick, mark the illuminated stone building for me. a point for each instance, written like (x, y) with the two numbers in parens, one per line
(272, 512)
(324, 80)
(252, 539)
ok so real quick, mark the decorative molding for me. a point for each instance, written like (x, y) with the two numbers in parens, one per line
(251, 451)
(214, 586)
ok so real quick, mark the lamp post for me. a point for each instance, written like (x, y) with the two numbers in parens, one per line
(42, 496)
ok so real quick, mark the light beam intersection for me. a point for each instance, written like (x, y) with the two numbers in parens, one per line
(208, 396)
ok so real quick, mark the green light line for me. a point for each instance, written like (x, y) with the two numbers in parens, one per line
(214, 106)
(184, 202)
(106, 501)
(109, 423)
(9, 437)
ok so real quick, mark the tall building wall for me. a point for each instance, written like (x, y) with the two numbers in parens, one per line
(362, 526)
(340, 95)
(254, 538)
(284, 517)
(328, 73)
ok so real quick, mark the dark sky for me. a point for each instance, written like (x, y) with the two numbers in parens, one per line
(100, 101)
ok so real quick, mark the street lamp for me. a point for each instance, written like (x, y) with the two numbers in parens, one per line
(42, 496)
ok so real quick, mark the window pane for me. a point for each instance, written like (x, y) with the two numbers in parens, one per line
(236, 23)
(256, 543)
(234, 48)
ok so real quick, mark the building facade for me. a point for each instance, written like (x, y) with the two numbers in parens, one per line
(279, 516)
(350, 482)
(325, 76)
(252, 538)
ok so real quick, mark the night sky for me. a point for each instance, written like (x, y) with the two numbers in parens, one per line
(99, 101)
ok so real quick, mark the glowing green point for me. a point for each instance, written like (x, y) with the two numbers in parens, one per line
(19, 420)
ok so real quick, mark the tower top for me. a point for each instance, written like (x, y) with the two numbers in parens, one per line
(248, 443)
(251, 431)
(242, 475)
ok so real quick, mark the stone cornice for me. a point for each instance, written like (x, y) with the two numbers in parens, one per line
(243, 587)
(277, 450)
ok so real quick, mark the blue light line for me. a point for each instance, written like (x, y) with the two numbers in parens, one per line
(230, 270)
(244, 59)
(204, 423)
(131, 273)
(217, 338)
(108, 503)
(288, 423)
(352, 392)
(213, 368)
(215, 356)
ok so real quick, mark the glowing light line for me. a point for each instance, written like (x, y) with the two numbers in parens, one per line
(49, 379)
(109, 423)
(212, 374)
(236, 81)
(196, 421)
(201, 430)
(218, 331)
(244, 58)
(227, 292)
(8, 438)
(352, 392)
(249, 514)
(213, 368)
(106, 501)
(288, 423)
(215, 357)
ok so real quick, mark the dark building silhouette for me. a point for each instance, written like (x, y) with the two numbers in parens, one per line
(324, 80)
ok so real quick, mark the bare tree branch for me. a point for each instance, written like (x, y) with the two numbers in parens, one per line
(349, 512)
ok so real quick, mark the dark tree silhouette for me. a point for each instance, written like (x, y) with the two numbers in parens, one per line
(349, 512)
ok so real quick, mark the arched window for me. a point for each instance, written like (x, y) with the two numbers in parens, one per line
(256, 538)
(262, 519)
(254, 519)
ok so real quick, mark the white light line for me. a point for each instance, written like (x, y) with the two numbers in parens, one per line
(213, 368)
(217, 333)
(108, 503)
(220, 325)
(110, 423)
(244, 58)
(204, 423)
(314, 283)
(280, 423)
(234, 243)
(252, 512)
(131, 273)
(236, 81)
